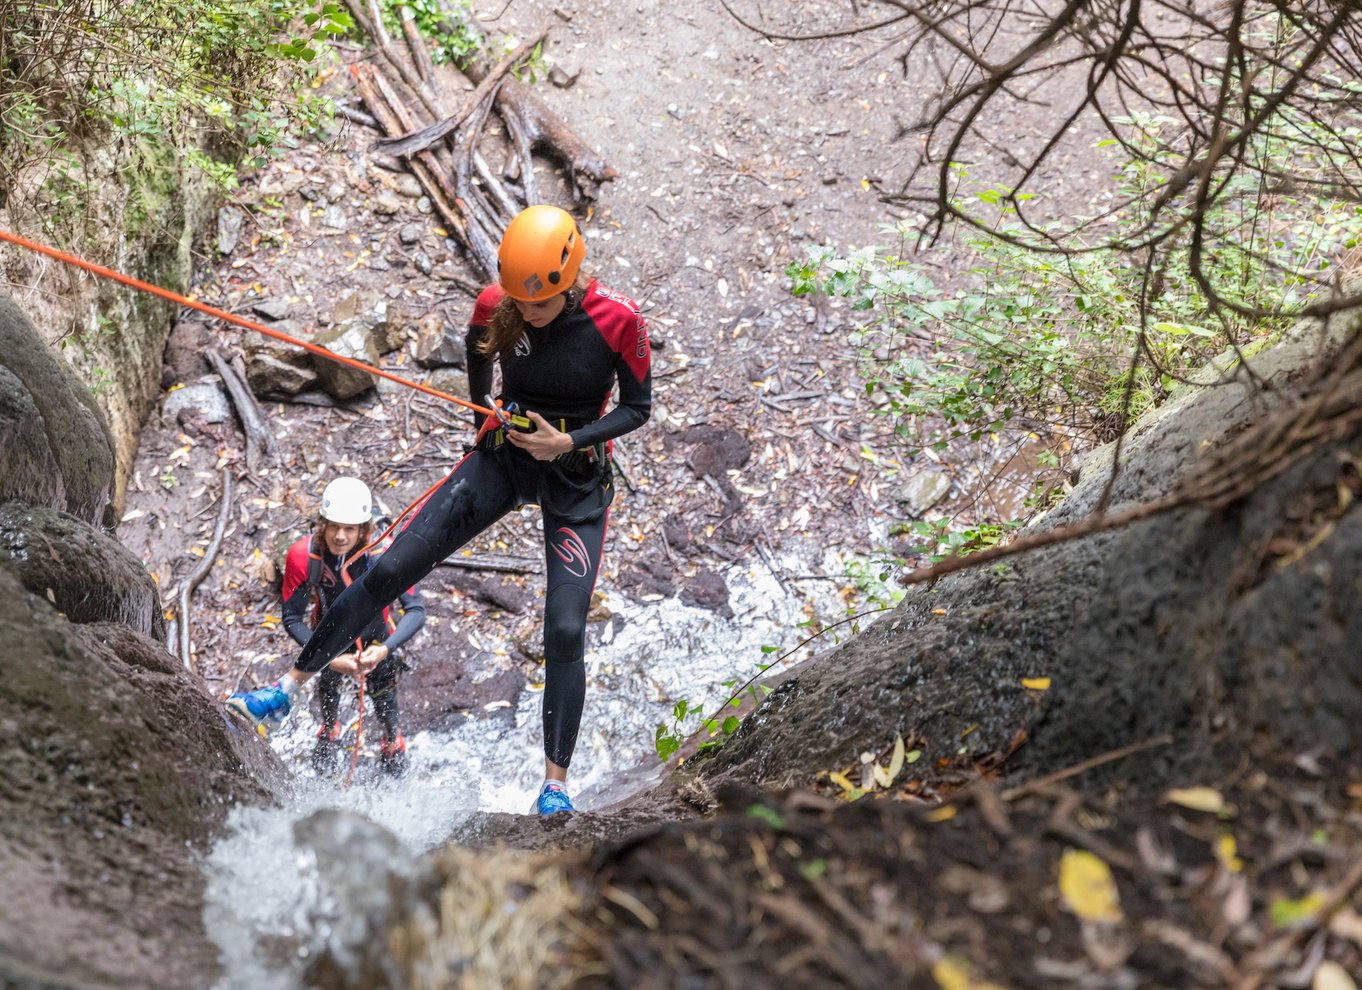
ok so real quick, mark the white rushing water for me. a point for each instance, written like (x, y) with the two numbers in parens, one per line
(264, 890)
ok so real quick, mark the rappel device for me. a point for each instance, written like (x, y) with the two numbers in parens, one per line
(509, 415)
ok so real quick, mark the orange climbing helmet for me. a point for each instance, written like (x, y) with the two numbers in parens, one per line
(540, 254)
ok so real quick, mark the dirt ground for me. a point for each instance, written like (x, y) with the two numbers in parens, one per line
(734, 153)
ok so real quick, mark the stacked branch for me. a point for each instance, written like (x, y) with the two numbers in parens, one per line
(402, 92)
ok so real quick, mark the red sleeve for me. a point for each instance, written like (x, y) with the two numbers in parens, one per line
(295, 567)
(622, 327)
(482, 309)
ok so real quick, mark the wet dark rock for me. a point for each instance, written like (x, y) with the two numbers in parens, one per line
(497, 592)
(55, 448)
(706, 589)
(437, 690)
(371, 885)
(115, 765)
(577, 830)
(86, 575)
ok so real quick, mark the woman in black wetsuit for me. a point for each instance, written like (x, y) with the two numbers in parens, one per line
(562, 346)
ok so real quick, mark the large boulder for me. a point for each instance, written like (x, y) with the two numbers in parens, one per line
(55, 448)
(87, 575)
(115, 765)
(1211, 636)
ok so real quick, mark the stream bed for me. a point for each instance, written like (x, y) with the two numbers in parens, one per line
(269, 903)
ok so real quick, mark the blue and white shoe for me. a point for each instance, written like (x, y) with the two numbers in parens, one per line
(552, 799)
(264, 708)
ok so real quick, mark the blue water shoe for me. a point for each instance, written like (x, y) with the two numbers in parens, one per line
(264, 708)
(552, 799)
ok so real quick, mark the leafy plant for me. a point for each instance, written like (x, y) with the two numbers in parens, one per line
(446, 27)
(196, 76)
(871, 576)
(1044, 340)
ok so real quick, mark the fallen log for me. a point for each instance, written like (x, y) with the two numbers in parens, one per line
(541, 129)
(410, 144)
(260, 440)
(196, 576)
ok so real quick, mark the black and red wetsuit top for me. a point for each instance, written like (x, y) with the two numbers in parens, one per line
(313, 576)
(566, 369)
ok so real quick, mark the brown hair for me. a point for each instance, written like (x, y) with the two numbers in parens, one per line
(319, 534)
(506, 326)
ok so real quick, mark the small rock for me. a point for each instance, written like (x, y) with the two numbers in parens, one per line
(559, 77)
(203, 398)
(410, 234)
(387, 203)
(920, 492)
(423, 205)
(437, 344)
(229, 229)
(271, 309)
(422, 262)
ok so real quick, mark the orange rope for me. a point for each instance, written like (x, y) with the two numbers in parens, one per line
(175, 297)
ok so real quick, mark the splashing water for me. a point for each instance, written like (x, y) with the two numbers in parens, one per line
(266, 902)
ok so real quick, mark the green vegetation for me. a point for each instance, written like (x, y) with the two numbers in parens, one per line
(451, 36)
(1067, 345)
(89, 88)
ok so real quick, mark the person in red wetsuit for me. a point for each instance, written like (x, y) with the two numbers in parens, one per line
(313, 579)
(563, 344)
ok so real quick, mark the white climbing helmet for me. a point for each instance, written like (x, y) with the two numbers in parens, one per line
(347, 502)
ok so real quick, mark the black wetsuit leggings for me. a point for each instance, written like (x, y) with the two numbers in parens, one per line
(380, 685)
(485, 486)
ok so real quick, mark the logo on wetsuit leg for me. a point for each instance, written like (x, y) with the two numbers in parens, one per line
(572, 552)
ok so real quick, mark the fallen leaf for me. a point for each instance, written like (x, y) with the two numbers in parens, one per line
(1227, 852)
(951, 974)
(1332, 976)
(896, 760)
(1286, 912)
(1197, 798)
(1036, 683)
(1087, 886)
